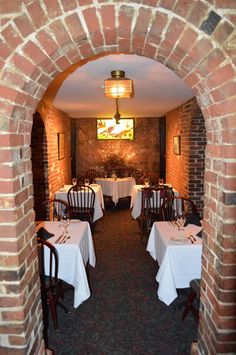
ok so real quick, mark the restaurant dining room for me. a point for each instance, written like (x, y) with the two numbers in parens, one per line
(117, 177)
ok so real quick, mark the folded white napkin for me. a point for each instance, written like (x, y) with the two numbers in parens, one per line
(179, 238)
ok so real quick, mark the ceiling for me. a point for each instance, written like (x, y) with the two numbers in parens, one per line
(80, 91)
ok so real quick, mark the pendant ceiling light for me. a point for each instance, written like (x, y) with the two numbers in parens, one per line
(118, 86)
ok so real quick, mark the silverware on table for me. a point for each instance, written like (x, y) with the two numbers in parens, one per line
(191, 238)
(63, 239)
(66, 238)
(58, 240)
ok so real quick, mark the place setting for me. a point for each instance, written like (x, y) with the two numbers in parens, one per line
(65, 222)
(183, 232)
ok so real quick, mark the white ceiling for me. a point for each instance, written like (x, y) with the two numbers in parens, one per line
(157, 89)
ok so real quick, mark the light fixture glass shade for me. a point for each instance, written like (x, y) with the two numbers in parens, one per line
(118, 86)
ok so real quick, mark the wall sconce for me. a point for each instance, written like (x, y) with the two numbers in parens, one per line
(118, 86)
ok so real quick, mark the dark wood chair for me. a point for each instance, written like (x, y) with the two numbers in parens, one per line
(173, 206)
(56, 209)
(81, 200)
(91, 175)
(194, 295)
(51, 287)
(151, 207)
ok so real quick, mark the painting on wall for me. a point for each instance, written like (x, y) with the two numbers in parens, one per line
(177, 145)
(109, 129)
(61, 145)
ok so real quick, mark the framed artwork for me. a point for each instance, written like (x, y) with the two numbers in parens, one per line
(177, 145)
(61, 145)
(107, 128)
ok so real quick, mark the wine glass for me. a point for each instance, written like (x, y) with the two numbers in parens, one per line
(161, 182)
(146, 181)
(181, 218)
(65, 223)
(105, 174)
(86, 182)
(74, 181)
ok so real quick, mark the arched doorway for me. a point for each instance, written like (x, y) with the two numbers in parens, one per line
(197, 41)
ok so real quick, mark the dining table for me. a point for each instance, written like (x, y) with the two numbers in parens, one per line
(136, 200)
(116, 187)
(75, 251)
(61, 194)
(178, 253)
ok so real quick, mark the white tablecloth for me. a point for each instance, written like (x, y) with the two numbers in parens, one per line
(73, 256)
(180, 262)
(98, 203)
(136, 200)
(116, 188)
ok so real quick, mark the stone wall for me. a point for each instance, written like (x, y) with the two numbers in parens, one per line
(186, 171)
(142, 153)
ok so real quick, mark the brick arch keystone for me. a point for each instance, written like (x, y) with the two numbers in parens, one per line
(39, 40)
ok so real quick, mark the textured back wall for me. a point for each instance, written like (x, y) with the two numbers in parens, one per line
(142, 153)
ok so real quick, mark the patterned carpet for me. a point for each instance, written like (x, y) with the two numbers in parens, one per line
(123, 314)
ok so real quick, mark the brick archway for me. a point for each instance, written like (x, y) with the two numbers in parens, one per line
(41, 39)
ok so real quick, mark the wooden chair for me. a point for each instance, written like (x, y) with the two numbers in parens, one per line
(173, 206)
(91, 175)
(56, 209)
(194, 294)
(51, 286)
(151, 207)
(81, 200)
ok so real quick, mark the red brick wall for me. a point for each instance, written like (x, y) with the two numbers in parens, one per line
(186, 171)
(58, 172)
(177, 166)
(38, 41)
(142, 153)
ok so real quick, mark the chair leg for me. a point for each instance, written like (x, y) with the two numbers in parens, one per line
(64, 307)
(53, 308)
(195, 313)
(188, 305)
(61, 296)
